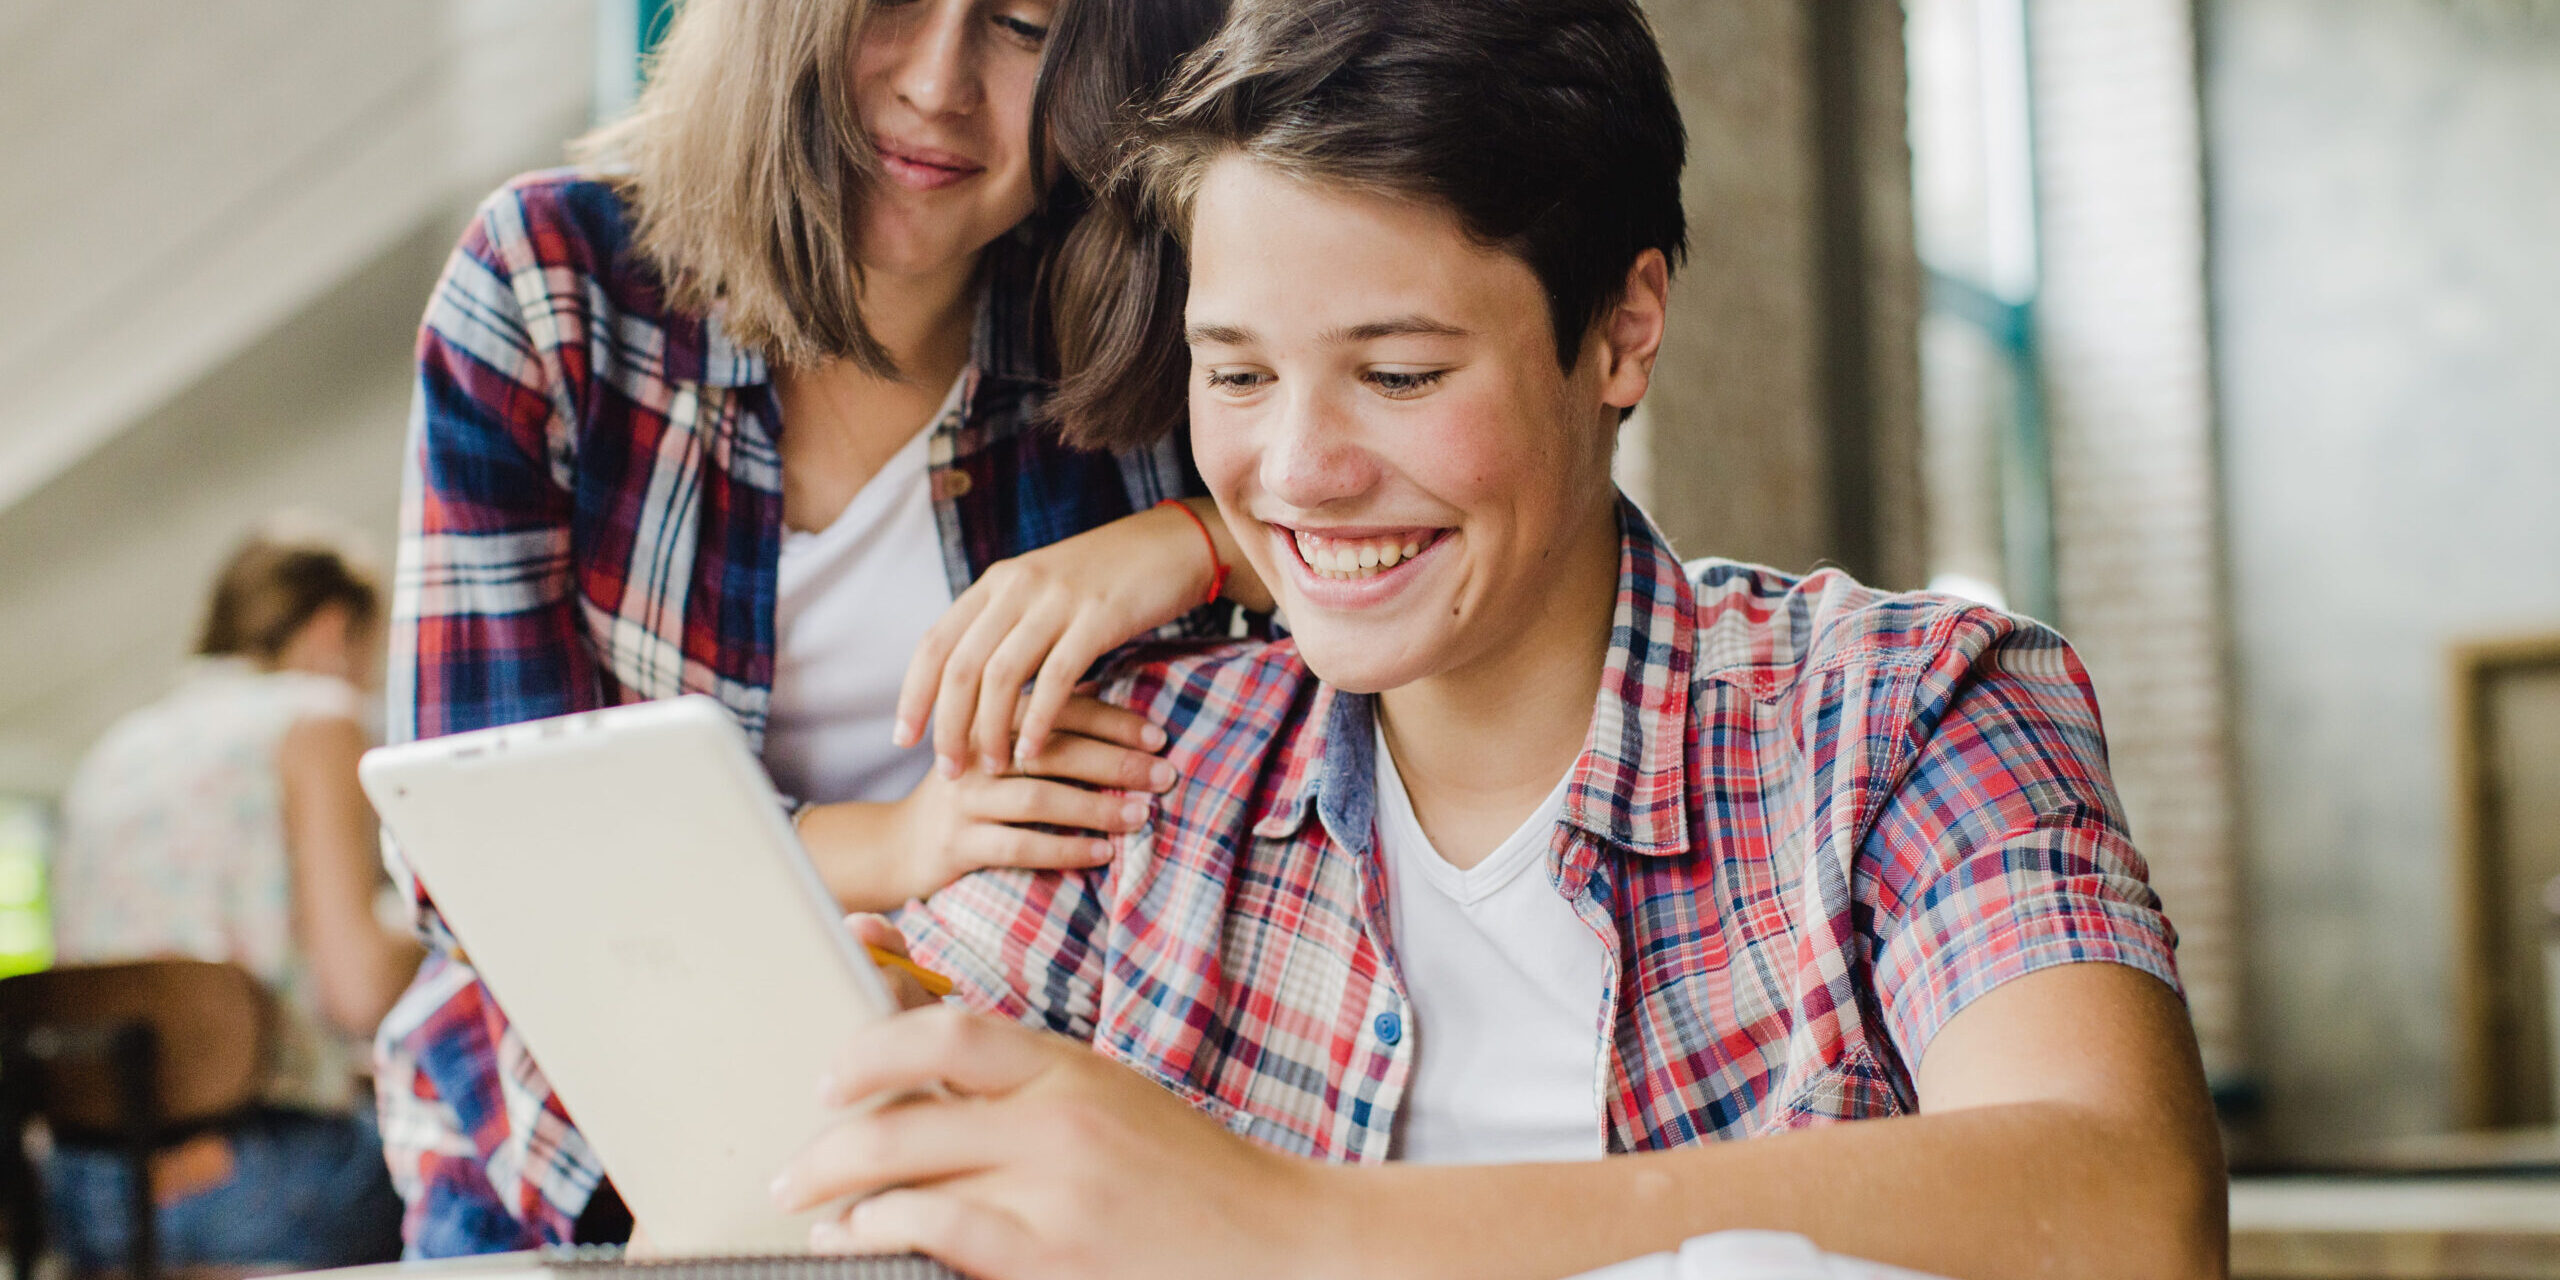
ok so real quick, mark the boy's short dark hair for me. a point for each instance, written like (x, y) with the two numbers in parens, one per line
(1547, 126)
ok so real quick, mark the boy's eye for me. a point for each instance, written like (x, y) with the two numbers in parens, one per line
(1398, 383)
(1237, 379)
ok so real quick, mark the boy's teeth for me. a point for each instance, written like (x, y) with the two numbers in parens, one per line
(1334, 558)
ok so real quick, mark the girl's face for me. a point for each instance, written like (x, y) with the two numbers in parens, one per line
(944, 89)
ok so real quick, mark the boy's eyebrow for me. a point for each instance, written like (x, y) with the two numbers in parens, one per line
(1230, 335)
(1410, 326)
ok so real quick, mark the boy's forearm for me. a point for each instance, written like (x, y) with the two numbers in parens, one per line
(2032, 1189)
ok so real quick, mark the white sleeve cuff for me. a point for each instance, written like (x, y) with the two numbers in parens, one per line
(1749, 1255)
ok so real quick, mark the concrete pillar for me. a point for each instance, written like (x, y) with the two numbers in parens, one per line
(1756, 443)
(2122, 328)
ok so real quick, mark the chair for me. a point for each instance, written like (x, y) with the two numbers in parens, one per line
(138, 1057)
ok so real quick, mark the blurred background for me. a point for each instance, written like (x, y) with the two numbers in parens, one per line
(2222, 334)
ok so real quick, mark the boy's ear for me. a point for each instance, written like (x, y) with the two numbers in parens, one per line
(1629, 335)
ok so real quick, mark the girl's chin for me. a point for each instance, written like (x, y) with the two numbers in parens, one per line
(900, 246)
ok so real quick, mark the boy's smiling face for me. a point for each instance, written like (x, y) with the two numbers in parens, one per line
(1377, 404)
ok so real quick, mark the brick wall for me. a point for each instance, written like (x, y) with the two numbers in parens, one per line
(1733, 452)
(2122, 321)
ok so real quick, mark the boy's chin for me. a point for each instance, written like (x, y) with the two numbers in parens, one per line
(1361, 665)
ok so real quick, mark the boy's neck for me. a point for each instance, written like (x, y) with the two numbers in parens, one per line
(1479, 748)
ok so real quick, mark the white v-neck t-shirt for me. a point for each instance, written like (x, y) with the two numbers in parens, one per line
(1506, 991)
(852, 602)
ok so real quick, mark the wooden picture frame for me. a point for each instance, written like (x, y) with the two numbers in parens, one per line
(2486, 1092)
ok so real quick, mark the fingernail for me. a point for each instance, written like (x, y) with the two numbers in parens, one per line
(1102, 851)
(993, 764)
(1134, 812)
(827, 1235)
(949, 765)
(903, 734)
(781, 1188)
(1154, 737)
(1162, 775)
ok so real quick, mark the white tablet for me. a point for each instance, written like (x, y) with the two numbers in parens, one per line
(630, 889)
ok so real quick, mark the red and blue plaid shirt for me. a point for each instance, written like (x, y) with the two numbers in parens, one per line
(592, 514)
(1812, 821)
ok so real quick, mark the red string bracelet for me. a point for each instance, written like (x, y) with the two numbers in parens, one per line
(1218, 568)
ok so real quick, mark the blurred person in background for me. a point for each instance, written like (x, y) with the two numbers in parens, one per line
(224, 823)
(743, 410)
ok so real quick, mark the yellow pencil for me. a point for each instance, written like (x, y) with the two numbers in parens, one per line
(934, 984)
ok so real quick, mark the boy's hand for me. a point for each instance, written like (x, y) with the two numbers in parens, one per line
(1041, 1159)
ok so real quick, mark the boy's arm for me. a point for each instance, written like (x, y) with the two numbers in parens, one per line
(2063, 1132)
(2063, 1126)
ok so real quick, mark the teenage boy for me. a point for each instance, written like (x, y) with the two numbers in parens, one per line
(1529, 848)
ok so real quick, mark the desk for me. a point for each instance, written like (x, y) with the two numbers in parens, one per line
(2395, 1228)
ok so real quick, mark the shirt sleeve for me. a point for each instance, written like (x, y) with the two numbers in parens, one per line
(1039, 947)
(2002, 850)
(1023, 945)
(484, 632)
(453, 1209)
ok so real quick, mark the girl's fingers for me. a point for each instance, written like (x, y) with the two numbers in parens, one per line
(1068, 659)
(1090, 716)
(1001, 846)
(955, 706)
(1010, 667)
(1072, 757)
(1018, 801)
(878, 934)
(876, 931)
(924, 670)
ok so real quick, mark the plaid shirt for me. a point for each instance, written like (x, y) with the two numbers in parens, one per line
(1811, 822)
(592, 514)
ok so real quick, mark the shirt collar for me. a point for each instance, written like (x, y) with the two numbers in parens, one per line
(1004, 341)
(1630, 784)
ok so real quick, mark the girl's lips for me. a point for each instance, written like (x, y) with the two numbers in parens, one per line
(923, 168)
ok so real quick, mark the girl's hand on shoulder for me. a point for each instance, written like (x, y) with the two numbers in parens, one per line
(1041, 620)
(1096, 777)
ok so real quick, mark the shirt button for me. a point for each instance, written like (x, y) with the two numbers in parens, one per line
(951, 483)
(1389, 1027)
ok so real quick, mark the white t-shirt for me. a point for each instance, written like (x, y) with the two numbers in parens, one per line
(1506, 985)
(852, 602)
(173, 844)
